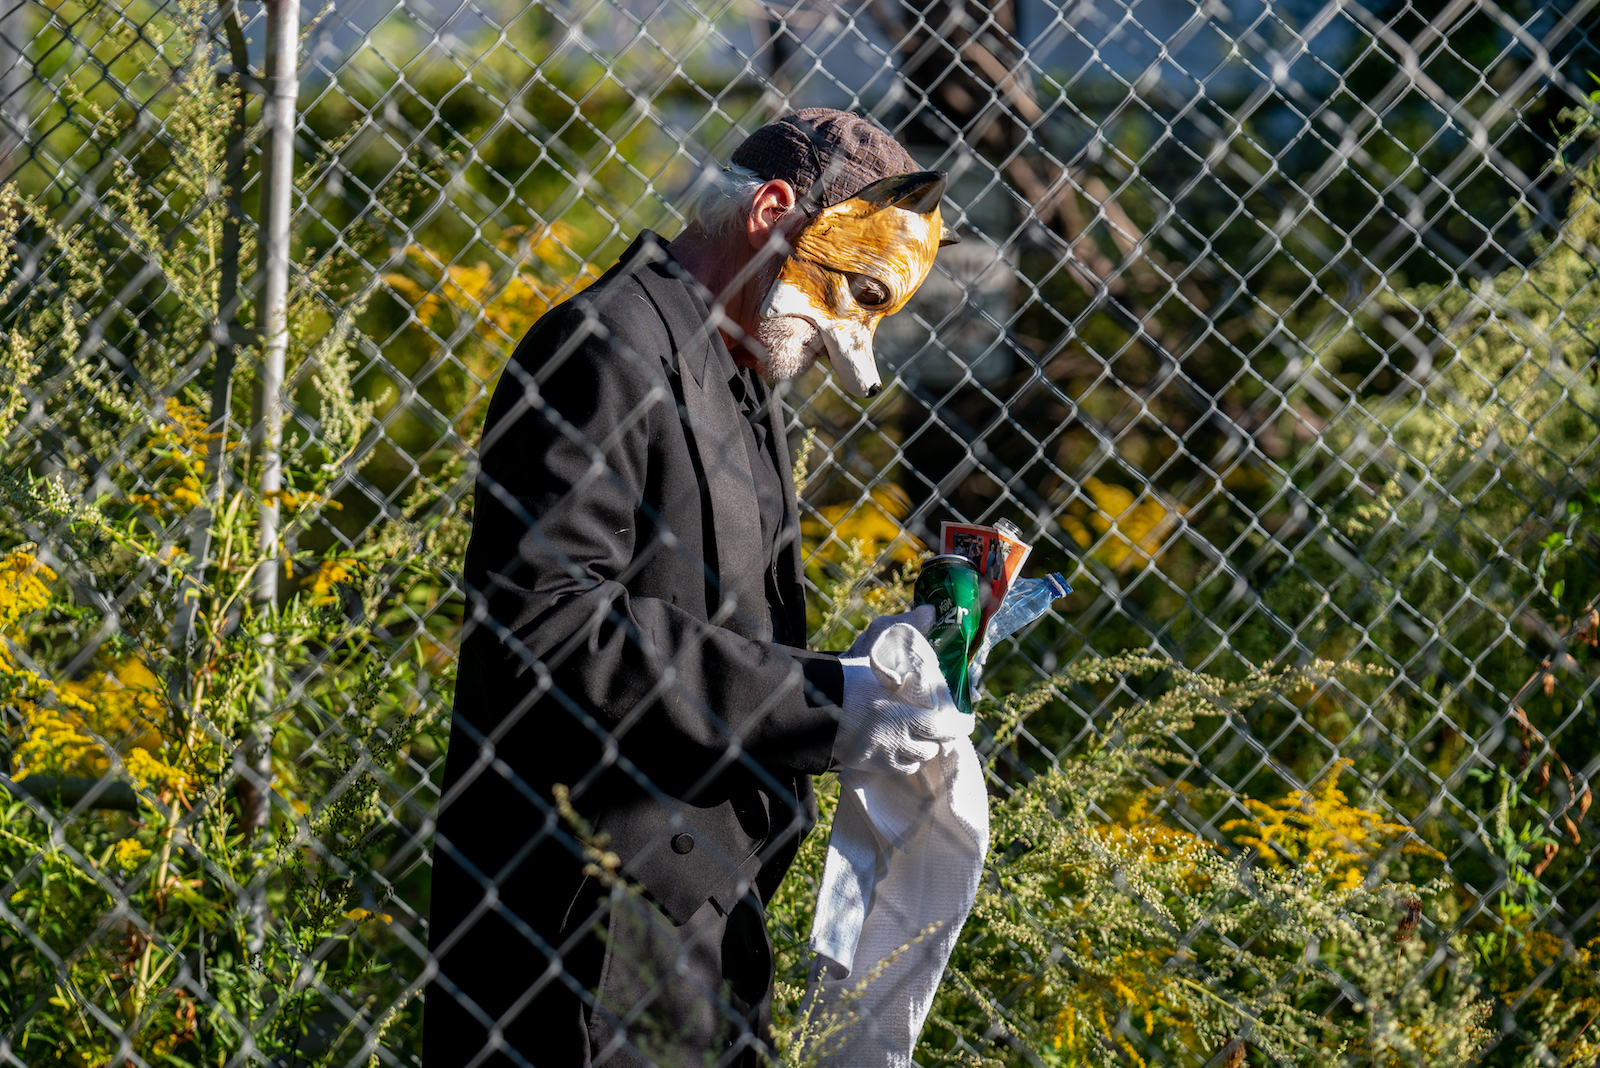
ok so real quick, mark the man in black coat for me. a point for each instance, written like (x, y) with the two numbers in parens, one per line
(635, 637)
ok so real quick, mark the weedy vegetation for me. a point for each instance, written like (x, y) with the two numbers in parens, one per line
(1399, 897)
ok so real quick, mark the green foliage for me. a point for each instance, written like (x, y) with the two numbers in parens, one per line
(1128, 938)
(1102, 933)
(138, 931)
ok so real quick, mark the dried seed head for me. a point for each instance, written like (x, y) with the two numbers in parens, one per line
(1408, 920)
(1572, 829)
(1549, 683)
(1550, 850)
(1584, 800)
(1541, 774)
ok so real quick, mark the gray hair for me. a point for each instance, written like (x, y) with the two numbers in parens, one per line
(719, 201)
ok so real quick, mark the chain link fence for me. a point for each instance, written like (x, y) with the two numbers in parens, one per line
(1272, 326)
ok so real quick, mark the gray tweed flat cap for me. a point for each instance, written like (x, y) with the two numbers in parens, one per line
(841, 151)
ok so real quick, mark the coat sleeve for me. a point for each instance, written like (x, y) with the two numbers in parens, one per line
(562, 531)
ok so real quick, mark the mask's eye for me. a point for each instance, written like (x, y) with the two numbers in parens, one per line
(868, 291)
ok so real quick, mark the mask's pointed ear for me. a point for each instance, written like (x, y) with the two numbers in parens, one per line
(918, 192)
(948, 236)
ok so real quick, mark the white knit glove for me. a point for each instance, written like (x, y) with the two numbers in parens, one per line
(920, 617)
(897, 708)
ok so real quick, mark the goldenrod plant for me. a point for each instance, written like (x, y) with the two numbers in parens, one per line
(484, 312)
(1107, 933)
(1320, 831)
(135, 658)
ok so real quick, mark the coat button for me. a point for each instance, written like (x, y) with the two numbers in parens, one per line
(682, 843)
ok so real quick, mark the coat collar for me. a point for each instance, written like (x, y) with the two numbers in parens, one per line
(684, 304)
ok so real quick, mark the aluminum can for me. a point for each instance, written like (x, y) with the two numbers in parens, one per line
(950, 584)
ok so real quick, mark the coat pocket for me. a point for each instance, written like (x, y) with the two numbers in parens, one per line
(684, 855)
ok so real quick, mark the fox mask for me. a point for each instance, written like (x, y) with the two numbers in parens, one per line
(858, 261)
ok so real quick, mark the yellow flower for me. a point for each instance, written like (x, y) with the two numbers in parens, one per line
(1126, 531)
(329, 574)
(292, 501)
(503, 306)
(874, 522)
(144, 768)
(129, 854)
(22, 591)
(1320, 830)
(180, 444)
(124, 706)
(363, 914)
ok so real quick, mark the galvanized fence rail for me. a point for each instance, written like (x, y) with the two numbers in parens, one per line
(1273, 326)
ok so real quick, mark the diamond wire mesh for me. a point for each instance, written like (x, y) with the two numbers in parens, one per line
(1261, 329)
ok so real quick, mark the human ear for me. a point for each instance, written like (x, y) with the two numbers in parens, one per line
(772, 203)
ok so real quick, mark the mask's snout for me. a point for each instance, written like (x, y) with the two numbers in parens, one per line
(859, 378)
(848, 342)
(850, 354)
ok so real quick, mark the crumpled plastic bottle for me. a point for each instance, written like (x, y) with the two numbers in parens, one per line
(1025, 601)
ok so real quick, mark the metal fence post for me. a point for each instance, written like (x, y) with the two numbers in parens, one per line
(272, 316)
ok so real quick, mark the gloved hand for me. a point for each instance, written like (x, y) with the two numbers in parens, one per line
(920, 617)
(897, 707)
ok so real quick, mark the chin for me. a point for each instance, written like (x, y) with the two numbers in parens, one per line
(792, 345)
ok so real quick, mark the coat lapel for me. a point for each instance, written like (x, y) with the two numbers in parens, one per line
(789, 560)
(713, 423)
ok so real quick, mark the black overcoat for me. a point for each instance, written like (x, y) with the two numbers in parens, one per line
(624, 638)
